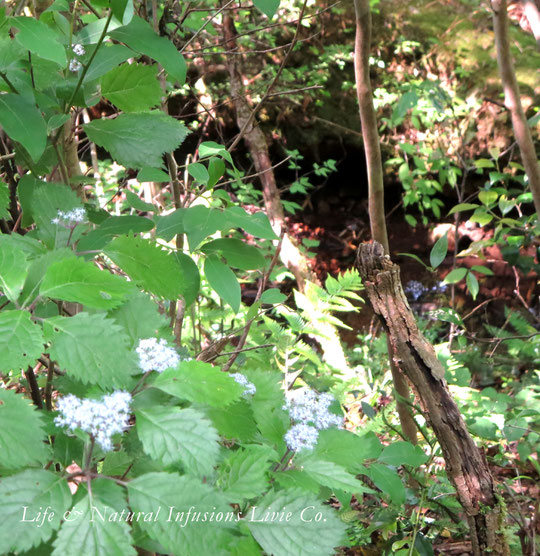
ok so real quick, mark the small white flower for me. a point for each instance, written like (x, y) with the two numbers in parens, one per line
(70, 218)
(156, 355)
(99, 418)
(250, 388)
(79, 49)
(301, 437)
(74, 65)
(305, 406)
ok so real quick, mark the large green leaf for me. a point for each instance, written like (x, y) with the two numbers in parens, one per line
(235, 421)
(13, 268)
(237, 253)
(171, 224)
(140, 36)
(171, 434)
(25, 498)
(243, 474)
(312, 530)
(93, 530)
(21, 341)
(189, 518)
(256, 224)
(40, 39)
(132, 87)
(108, 57)
(74, 280)
(388, 481)
(332, 475)
(199, 382)
(148, 265)
(21, 434)
(137, 140)
(92, 349)
(23, 122)
(201, 222)
(223, 281)
(403, 453)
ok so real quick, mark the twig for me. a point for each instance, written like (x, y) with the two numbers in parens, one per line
(49, 385)
(34, 388)
(241, 351)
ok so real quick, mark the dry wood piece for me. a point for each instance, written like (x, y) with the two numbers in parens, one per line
(466, 464)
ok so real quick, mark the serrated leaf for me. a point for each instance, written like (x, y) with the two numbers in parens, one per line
(137, 140)
(312, 528)
(171, 434)
(438, 253)
(296, 479)
(181, 508)
(148, 265)
(402, 453)
(74, 280)
(140, 36)
(40, 39)
(236, 421)
(132, 87)
(237, 253)
(87, 532)
(23, 496)
(22, 433)
(92, 349)
(243, 474)
(455, 275)
(256, 224)
(4, 201)
(267, 7)
(199, 382)
(223, 281)
(23, 123)
(332, 475)
(13, 268)
(21, 341)
(139, 317)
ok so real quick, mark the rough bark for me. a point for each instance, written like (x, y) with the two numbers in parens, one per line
(372, 149)
(512, 100)
(532, 13)
(256, 143)
(466, 465)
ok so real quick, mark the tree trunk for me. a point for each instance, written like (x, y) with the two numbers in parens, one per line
(377, 217)
(465, 464)
(532, 13)
(512, 100)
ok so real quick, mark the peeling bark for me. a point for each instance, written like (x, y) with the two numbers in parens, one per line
(466, 464)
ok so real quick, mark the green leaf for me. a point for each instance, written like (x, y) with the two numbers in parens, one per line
(21, 341)
(201, 222)
(199, 382)
(223, 280)
(199, 172)
(132, 87)
(455, 275)
(484, 163)
(388, 481)
(243, 474)
(463, 207)
(211, 148)
(40, 39)
(446, 314)
(488, 197)
(237, 253)
(140, 36)
(21, 434)
(296, 479)
(313, 528)
(332, 475)
(122, 10)
(411, 220)
(171, 435)
(481, 217)
(92, 349)
(273, 296)
(236, 421)
(90, 531)
(181, 509)
(108, 57)
(74, 280)
(137, 203)
(4, 201)
(137, 140)
(191, 279)
(267, 7)
(216, 169)
(13, 268)
(402, 453)
(148, 265)
(171, 224)
(472, 284)
(438, 253)
(23, 122)
(482, 270)
(24, 496)
(152, 174)
(256, 224)
(139, 317)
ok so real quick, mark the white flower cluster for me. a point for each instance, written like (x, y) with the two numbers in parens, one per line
(79, 49)
(301, 437)
(99, 418)
(156, 355)
(310, 411)
(70, 218)
(249, 387)
(74, 65)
